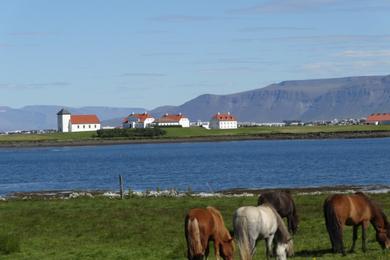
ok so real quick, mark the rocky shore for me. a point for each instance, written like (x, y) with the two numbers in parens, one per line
(72, 194)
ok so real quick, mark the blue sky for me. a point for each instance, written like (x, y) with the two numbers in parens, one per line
(150, 53)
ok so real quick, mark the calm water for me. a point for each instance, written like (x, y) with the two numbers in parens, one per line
(201, 166)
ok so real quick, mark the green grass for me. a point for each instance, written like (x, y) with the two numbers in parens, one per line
(48, 137)
(149, 228)
(176, 133)
(245, 131)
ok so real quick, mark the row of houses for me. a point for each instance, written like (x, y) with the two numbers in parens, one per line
(218, 121)
(80, 123)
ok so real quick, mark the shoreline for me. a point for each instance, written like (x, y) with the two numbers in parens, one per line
(224, 138)
(70, 194)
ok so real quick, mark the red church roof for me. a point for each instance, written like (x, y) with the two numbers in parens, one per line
(171, 118)
(224, 117)
(141, 117)
(84, 119)
(378, 117)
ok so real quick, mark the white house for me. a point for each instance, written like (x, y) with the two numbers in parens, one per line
(76, 123)
(173, 120)
(138, 120)
(223, 121)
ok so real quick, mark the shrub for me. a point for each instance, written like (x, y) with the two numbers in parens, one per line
(131, 132)
(9, 243)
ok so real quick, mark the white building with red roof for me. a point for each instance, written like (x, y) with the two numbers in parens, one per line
(379, 119)
(138, 120)
(76, 123)
(223, 121)
(173, 120)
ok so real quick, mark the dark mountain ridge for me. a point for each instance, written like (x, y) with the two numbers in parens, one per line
(306, 100)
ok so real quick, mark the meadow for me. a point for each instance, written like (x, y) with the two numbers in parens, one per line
(147, 228)
(198, 132)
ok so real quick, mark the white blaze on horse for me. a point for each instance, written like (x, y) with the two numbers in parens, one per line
(262, 222)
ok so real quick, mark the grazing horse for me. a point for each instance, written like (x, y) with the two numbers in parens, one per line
(262, 222)
(354, 210)
(284, 204)
(202, 225)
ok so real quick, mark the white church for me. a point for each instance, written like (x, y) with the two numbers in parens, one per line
(76, 123)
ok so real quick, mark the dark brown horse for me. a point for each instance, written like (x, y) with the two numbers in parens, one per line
(354, 210)
(284, 204)
(203, 225)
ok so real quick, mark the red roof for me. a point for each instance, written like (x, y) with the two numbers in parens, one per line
(141, 117)
(224, 117)
(84, 119)
(171, 118)
(377, 117)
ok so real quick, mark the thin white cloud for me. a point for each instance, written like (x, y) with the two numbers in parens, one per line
(157, 54)
(273, 6)
(323, 39)
(142, 74)
(182, 18)
(294, 6)
(229, 70)
(32, 34)
(34, 86)
(364, 53)
(346, 67)
(274, 28)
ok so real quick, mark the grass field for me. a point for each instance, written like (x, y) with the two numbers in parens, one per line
(148, 228)
(247, 131)
(177, 133)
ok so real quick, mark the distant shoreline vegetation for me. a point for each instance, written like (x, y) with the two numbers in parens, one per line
(193, 134)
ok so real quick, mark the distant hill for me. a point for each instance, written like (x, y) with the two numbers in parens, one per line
(306, 100)
(44, 117)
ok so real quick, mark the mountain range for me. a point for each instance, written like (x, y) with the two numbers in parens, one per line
(306, 100)
(45, 117)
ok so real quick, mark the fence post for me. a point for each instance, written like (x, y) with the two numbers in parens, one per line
(121, 186)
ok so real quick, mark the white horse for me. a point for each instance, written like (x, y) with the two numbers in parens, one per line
(262, 222)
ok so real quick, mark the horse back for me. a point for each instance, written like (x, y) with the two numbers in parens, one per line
(260, 219)
(350, 209)
(282, 202)
(205, 220)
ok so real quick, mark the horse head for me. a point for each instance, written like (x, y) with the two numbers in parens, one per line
(383, 231)
(284, 250)
(227, 248)
(383, 238)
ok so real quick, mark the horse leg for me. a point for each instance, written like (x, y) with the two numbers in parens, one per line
(252, 246)
(364, 241)
(339, 241)
(216, 249)
(268, 246)
(290, 224)
(354, 237)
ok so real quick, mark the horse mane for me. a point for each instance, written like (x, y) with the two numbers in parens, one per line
(282, 234)
(225, 234)
(376, 209)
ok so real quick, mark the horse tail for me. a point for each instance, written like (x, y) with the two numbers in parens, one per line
(240, 225)
(193, 238)
(333, 226)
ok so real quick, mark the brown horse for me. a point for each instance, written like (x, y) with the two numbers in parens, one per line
(354, 210)
(284, 204)
(203, 225)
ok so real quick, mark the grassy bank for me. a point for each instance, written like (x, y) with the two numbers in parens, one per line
(148, 228)
(199, 134)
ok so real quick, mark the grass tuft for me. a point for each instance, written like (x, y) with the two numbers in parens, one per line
(9, 243)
